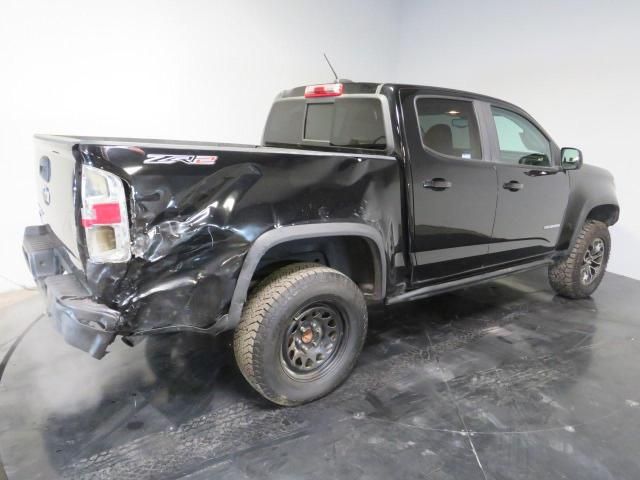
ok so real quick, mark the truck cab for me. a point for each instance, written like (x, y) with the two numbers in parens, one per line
(359, 193)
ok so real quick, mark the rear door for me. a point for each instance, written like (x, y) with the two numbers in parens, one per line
(532, 190)
(453, 183)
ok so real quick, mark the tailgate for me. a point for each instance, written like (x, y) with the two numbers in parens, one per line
(57, 174)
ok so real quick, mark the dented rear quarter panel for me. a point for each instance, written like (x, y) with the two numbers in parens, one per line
(192, 225)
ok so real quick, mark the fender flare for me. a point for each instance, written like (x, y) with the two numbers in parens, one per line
(280, 235)
(578, 221)
(590, 187)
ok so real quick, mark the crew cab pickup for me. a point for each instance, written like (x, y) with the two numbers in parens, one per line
(359, 193)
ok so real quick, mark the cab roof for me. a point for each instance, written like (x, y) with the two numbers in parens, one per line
(372, 88)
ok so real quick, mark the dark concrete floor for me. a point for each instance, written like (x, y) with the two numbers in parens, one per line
(499, 381)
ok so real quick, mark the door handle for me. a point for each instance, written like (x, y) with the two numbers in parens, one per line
(437, 184)
(513, 186)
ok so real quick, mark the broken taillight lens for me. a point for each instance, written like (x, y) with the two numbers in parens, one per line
(104, 216)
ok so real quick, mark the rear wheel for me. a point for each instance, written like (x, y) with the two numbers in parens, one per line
(579, 274)
(301, 332)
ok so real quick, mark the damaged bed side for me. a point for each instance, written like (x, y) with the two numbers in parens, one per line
(205, 223)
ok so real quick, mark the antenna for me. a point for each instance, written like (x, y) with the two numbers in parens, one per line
(331, 67)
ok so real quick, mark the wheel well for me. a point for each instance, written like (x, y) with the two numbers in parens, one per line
(604, 213)
(354, 256)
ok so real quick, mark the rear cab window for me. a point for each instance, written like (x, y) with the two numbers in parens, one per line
(349, 121)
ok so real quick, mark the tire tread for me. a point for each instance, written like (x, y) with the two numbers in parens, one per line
(248, 340)
(564, 275)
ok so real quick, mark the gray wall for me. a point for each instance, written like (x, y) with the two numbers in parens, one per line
(574, 65)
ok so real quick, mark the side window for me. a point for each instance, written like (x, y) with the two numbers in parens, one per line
(520, 142)
(449, 127)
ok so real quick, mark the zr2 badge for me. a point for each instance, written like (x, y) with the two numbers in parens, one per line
(158, 159)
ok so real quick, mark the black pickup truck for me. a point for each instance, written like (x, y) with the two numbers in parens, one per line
(359, 193)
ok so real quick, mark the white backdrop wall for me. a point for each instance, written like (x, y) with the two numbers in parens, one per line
(207, 70)
(189, 70)
(574, 65)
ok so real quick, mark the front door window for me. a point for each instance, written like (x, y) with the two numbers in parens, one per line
(520, 142)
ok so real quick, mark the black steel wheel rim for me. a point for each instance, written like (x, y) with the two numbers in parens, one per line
(313, 339)
(592, 261)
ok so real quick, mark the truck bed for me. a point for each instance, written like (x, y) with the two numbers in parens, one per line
(195, 209)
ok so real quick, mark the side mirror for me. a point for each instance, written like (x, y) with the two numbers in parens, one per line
(571, 158)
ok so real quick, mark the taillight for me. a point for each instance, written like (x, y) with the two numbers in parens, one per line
(326, 90)
(104, 216)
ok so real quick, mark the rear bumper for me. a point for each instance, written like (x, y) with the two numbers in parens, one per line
(83, 322)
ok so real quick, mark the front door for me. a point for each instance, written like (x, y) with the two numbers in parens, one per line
(454, 186)
(532, 190)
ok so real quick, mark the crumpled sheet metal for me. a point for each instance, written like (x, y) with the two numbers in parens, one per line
(192, 225)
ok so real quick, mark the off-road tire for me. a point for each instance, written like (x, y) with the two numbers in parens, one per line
(267, 315)
(565, 274)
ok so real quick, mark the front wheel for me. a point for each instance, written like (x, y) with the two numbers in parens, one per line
(300, 333)
(579, 274)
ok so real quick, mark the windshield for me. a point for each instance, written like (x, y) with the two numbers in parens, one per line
(340, 122)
